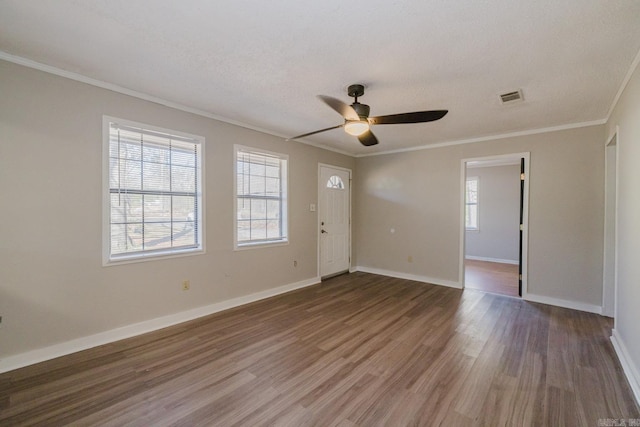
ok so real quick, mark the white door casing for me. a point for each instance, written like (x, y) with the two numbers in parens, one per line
(334, 195)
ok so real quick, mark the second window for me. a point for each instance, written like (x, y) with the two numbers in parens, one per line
(261, 197)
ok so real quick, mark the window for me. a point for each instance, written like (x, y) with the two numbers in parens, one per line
(471, 204)
(335, 182)
(261, 197)
(153, 203)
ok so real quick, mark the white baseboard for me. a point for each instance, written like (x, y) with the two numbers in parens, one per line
(581, 306)
(417, 278)
(502, 261)
(630, 369)
(40, 355)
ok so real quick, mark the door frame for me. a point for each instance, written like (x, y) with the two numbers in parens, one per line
(318, 210)
(525, 214)
(611, 215)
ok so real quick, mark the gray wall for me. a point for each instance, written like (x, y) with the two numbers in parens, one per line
(499, 214)
(418, 194)
(53, 287)
(626, 117)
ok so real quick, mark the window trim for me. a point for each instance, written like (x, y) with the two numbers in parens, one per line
(476, 204)
(285, 199)
(107, 259)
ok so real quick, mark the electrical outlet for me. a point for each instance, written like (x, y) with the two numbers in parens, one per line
(186, 285)
(295, 263)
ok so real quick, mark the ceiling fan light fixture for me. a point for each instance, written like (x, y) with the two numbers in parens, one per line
(356, 127)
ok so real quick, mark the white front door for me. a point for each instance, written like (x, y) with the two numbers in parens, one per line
(334, 219)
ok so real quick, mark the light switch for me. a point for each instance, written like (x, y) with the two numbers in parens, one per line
(312, 207)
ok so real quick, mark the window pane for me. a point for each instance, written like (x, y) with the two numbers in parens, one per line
(244, 230)
(273, 209)
(256, 169)
(184, 208)
(244, 209)
(273, 171)
(131, 150)
(156, 177)
(471, 216)
(183, 157)
(335, 182)
(157, 207)
(256, 185)
(154, 153)
(272, 186)
(258, 209)
(184, 234)
(273, 229)
(183, 179)
(126, 208)
(258, 229)
(114, 173)
(157, 235)
(130, 175)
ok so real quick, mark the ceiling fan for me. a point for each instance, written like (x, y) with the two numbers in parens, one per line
(357, 121)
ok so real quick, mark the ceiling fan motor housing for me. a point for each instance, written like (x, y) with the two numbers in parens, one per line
(361, 109)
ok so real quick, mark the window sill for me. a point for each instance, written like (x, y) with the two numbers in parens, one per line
(157, 256)
(257, 245)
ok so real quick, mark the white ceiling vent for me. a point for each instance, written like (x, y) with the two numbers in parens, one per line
(512, 97)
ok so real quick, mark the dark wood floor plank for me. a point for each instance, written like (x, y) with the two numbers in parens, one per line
(356, 350)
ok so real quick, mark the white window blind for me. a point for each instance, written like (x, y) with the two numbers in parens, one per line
(261, 197)
(155, 197)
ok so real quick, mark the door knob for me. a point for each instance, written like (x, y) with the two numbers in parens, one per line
(323, 231)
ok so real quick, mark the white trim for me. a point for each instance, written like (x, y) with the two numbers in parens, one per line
(606, 268)
(525, 212)
(119, 89)
(623, 86)
(574, 305)
(318, 210)
(107, 260)
(408, 276)
(501, 261)
(492, 163)
(47, 353)
(630, 370)
(489, 138)
(140, 95)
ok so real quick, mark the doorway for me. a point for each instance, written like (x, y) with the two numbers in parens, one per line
(334, 220)
(494, 218)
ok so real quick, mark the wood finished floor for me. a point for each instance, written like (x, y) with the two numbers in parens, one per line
(359, 349)
(493, 277)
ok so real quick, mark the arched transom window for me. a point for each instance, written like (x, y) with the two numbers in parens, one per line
(335, 182)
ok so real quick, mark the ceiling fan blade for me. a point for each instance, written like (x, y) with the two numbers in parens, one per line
(314, 132)
(368, 139)
(343, 109)
(415, 117)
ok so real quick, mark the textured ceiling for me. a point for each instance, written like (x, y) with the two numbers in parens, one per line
(262, 63)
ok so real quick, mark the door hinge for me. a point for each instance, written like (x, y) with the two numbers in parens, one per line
(521, 177)
(521, 227)
(520, 277)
